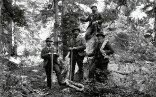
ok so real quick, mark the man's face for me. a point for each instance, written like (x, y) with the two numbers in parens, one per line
(49, 44)
(94, 9)
(100, 39)
(76, 33)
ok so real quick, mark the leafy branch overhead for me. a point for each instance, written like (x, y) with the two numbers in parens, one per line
(14, 13)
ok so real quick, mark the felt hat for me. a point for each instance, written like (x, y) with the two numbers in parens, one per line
(49, 40)
(76, 29)
(100, 34)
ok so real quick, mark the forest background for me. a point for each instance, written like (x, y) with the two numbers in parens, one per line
(129, 25)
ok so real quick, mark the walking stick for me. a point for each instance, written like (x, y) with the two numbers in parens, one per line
(52, 64)
(71, 63)
(96, 25)
(71, 59)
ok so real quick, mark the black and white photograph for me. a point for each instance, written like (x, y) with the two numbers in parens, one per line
(77, 48)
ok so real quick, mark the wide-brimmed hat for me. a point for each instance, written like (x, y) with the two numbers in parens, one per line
(76, 29)
(49, 40)
(100, 34)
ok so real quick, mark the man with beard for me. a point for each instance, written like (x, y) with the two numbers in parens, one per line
(46, 54)
(95, 21)
(100, 56)
(77, 48)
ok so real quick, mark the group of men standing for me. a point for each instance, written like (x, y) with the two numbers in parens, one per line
(77, 51)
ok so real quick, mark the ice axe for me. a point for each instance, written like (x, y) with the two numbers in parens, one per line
(71, 58)
(71, 63)
(52, 64)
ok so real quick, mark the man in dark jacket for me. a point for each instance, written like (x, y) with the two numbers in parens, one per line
(46, 55)
(100, 58)
(95, 21)
(77, 48)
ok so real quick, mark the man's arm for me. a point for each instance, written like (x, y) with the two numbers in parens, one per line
(100, 18)
(82, 46)
(85, 20)
(90, 54)
(70, 44)
(44, 55)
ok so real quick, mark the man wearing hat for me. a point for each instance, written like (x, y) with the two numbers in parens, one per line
(100, 61)
(77, 47)
(95, 20)
(46, 55)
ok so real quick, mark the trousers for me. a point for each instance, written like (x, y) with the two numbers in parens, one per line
(91, 31)
(97, 64)
(79, 60)
(57, 70)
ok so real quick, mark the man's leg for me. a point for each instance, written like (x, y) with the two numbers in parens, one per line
(80, 65)
(48, 73)
(92, 70)
(88, 33)
(105, 69)
(58, 73)
(104, 72)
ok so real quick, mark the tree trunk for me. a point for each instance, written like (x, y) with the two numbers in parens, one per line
(56, 24)
(1, 29)
(14, 39)
(10, 38)
(155, 24)
(13, 44)
(64, 36)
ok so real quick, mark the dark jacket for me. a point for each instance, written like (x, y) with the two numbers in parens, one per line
(97, 53)
(94, 17)
(80, 43)
(47, 57)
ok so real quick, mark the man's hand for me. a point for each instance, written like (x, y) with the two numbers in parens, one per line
(49, 53)
(80, 18)
(72, 48)
(95, 22)
(87, 54)
(56, 53)
(103, 52)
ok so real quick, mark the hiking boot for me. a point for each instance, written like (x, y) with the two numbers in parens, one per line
(62, 83)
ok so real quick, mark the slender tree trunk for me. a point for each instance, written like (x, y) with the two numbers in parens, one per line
(64, 36)
(10, 38)
(14, 31)
(155, 24)
(56, 24)
(14, 43)
(1, 29)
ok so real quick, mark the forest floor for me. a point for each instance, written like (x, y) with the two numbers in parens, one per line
(30, 81)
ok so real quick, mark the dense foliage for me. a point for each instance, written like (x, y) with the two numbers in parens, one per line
(14, 13)
(131, 70)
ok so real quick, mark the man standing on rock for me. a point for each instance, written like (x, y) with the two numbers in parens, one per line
(46, 54)
(77, 48)
(100, 56)
(95, 21)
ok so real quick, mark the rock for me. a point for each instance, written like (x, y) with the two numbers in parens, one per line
(113, 67)
(118, 79)
(90, 44)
